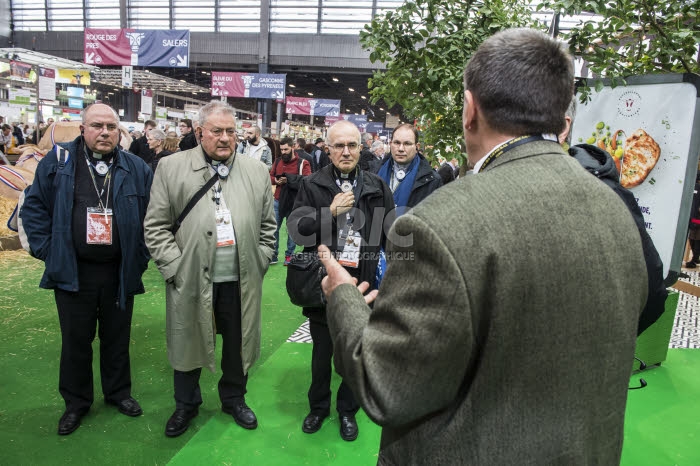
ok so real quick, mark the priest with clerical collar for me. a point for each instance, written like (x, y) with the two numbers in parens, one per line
(408, 174)
(349, 210)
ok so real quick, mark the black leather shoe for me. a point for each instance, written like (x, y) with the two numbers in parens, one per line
(348, 428)
(312, 423)
(128, 406)
(242, 414)
(69, 422)
(179, 422)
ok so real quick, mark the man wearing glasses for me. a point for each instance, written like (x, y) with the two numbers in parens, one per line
(189, 140)
(213, 264)
(83, 217)
(338, 206)
(408, 174)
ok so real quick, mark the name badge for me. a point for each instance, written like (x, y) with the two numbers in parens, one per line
(225, 235)
(99, 226)
(350, 257)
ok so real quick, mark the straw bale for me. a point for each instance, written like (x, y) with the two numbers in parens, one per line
(7, 206)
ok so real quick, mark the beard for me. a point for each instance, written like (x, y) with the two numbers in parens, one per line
(286, 157)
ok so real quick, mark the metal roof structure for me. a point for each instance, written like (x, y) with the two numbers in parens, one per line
(41, 59)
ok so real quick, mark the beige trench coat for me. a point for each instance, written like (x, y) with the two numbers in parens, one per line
(186, 260)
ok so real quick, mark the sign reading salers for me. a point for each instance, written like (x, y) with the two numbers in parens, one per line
(142, 47)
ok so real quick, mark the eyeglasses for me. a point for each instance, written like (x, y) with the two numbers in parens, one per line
(218, 132)
(341, 147)
(406, 144)
(111, 127)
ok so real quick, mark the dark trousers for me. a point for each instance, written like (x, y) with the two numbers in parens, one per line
(226, 298)
(79, 314)
(321, 373)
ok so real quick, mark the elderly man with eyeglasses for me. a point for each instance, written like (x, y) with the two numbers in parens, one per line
(213, 260)
(408, 174)
(349, 210)
(83, 217)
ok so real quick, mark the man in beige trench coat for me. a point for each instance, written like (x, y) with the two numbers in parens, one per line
(213, 265)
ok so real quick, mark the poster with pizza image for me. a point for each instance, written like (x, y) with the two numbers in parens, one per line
(648, 129)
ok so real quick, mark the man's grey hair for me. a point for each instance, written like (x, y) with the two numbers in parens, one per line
(522, 81)
(367, 137)
(87, 109)
(156, 133)
(376, 145)
(215, 106)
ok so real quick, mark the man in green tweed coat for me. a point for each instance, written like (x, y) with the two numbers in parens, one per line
(504, 331)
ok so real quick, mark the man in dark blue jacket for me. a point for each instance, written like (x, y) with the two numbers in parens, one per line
(408, 174)
(83, 217)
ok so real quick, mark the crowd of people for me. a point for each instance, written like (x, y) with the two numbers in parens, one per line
(462, 355)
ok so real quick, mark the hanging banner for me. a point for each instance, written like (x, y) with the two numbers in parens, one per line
(73, 77)
(313, 107)
(374, 127)
(20, 71)
(253, 85)
(652, 130)
(147, 102)
(359, 120)
(47, 84)
(143, 47)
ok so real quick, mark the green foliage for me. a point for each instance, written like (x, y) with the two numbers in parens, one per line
(633, 38)
(425, 45)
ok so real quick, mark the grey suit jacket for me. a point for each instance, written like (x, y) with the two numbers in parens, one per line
(505, 333)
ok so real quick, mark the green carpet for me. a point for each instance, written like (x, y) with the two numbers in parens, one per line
(662, 421)
(662, 424)
(277, 393)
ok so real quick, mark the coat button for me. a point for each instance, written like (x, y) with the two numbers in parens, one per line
(206, 269)
(209, 233)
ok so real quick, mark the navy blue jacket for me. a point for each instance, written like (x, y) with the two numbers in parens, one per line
(47, 219)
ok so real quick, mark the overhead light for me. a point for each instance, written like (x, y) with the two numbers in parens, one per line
(292, 85)
(335, 79)
(183, 81)
(351, 89)
(310, 93)
(363, 97)
(380, 108)
(347, 110)
(204, 72)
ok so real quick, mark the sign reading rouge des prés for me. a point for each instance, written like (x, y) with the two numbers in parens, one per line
(254, 85)
(137, 47)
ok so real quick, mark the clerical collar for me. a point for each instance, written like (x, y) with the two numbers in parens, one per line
(94, 157)
(345, 176)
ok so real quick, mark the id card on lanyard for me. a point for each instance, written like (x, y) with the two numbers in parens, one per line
(350, 241)
(224, 228)
(99, 226)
